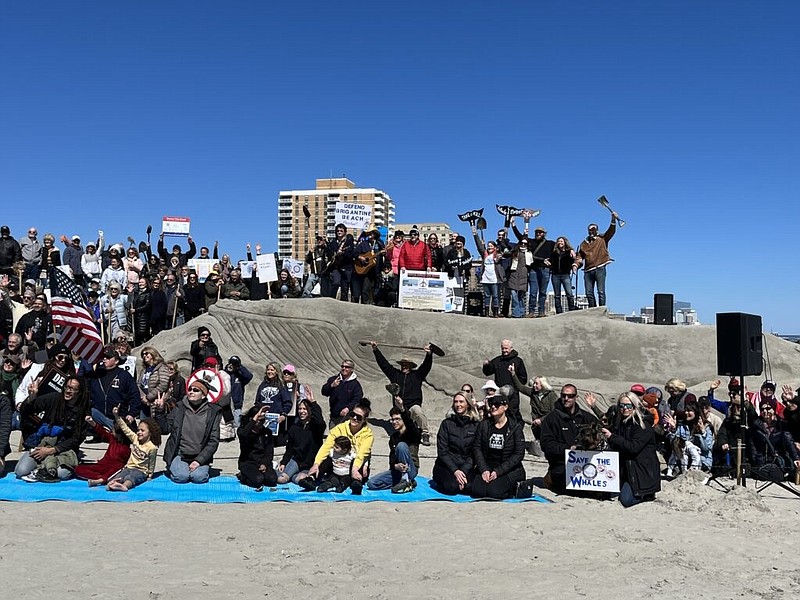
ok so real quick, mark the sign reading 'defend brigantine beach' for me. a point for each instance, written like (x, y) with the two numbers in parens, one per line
(353, 216)
(592, 471)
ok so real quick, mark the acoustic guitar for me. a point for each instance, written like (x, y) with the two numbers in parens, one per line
(371, 257)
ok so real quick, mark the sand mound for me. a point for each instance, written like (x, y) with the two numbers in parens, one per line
(688, 492)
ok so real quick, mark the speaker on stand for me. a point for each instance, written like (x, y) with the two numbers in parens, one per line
(663, 310)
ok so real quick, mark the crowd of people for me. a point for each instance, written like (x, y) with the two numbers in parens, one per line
(142, 291)
(58, 401)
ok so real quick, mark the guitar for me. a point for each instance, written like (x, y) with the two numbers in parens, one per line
(336, 260)
(371, 257)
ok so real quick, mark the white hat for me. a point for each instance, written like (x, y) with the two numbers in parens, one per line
(490, 385)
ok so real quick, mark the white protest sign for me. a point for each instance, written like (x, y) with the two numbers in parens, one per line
(353, 216)
(295, 267)
(247, 266)
(592, 471)
(201, 266)
(267, 269)
(175, 226)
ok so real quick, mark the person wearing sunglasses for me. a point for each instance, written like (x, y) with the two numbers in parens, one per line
(632, 435)
(560, 429)
(194, 440)
(203, 348)
(498, 452)
(344, 391)
(361, 437)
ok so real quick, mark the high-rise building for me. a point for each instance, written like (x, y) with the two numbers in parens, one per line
(442, 230)
(296, 233)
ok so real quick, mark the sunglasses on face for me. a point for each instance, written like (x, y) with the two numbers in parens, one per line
(625, 405)
(569, 395)
(196, 390)
(495, 403)
(356, 417)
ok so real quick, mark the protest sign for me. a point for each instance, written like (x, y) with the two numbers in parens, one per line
(267, 269)
(353, 216)
(247, 266)
(295, 268)
(201, 266)
(592, 471)
(422, 291)
(175, 226)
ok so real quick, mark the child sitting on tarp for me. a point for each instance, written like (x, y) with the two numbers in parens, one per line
(144, 448)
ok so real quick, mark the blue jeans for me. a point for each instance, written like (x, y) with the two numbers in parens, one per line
(491, 294)
(538, 278)
(564, 281)
(590, 278)
(517, 303)
(179, 472)
(387, 479)
(292, 470)
(105, 421)
(626, 497)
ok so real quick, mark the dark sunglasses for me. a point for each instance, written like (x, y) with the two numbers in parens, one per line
(494, 403)
(569, 395)
(195, 389)
(625, 405)
(357, 416)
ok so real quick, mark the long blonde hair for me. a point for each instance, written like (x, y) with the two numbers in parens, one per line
(472, 410)
(636, 413)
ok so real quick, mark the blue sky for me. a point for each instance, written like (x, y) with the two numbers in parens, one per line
(684, 114)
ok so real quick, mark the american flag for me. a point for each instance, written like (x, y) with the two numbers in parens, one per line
(68, 309)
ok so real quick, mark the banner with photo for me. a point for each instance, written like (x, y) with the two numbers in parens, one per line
(201, 266)
(421, 290)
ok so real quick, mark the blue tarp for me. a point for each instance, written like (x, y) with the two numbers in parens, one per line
(219, 490)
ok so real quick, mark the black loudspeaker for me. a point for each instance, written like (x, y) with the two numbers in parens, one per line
(663, 309)
(475, 304)
(739, 344)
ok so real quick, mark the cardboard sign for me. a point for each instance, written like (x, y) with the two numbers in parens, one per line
(176, 226)
(247, 267)
(353, 216)
(591, 471)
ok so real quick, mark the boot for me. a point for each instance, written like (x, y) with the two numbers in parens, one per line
(494, 312)
(485, 311)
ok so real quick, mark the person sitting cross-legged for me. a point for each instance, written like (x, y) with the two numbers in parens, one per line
(403, 453)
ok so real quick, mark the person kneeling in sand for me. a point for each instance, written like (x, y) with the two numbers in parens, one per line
(195, 435)
(144, 448)
(403, 453)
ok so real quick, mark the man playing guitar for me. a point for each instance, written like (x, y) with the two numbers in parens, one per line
(369, 250)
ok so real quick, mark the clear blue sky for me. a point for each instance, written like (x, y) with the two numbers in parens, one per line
(685, 114)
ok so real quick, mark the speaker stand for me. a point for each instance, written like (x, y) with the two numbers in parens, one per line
(782, 484)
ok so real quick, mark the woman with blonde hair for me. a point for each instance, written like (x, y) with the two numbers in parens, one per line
(454, 467)
(633, 437)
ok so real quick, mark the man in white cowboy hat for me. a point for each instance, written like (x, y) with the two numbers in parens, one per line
(409, 378)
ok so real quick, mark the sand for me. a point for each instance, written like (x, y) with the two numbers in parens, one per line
(692, 542)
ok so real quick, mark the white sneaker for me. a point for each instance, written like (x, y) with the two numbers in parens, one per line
(669, 472)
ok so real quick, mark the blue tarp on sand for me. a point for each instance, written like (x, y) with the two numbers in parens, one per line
(224, 489)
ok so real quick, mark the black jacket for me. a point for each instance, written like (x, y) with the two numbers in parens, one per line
(498, 367)
(347, 394)
(142, 307)
(513, 449)
(256, 442)
(6, 412)
(458, 265)
(637, 457)
(410, 383)
(559, 432)
(454, 444)
(199, 355)
(305, 439)
(210, 438)
(39, 322)
(10, 252)
(412, 436)
(69, 415)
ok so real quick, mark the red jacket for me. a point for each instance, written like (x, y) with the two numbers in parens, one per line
(113, 460)
(415, 257)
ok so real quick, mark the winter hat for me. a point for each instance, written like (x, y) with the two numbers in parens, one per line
(638, 389)
(203, 329)
(206, 385)
(211, 361)
(58, 349)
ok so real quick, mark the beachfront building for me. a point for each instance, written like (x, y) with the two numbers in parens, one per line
(295, 238)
